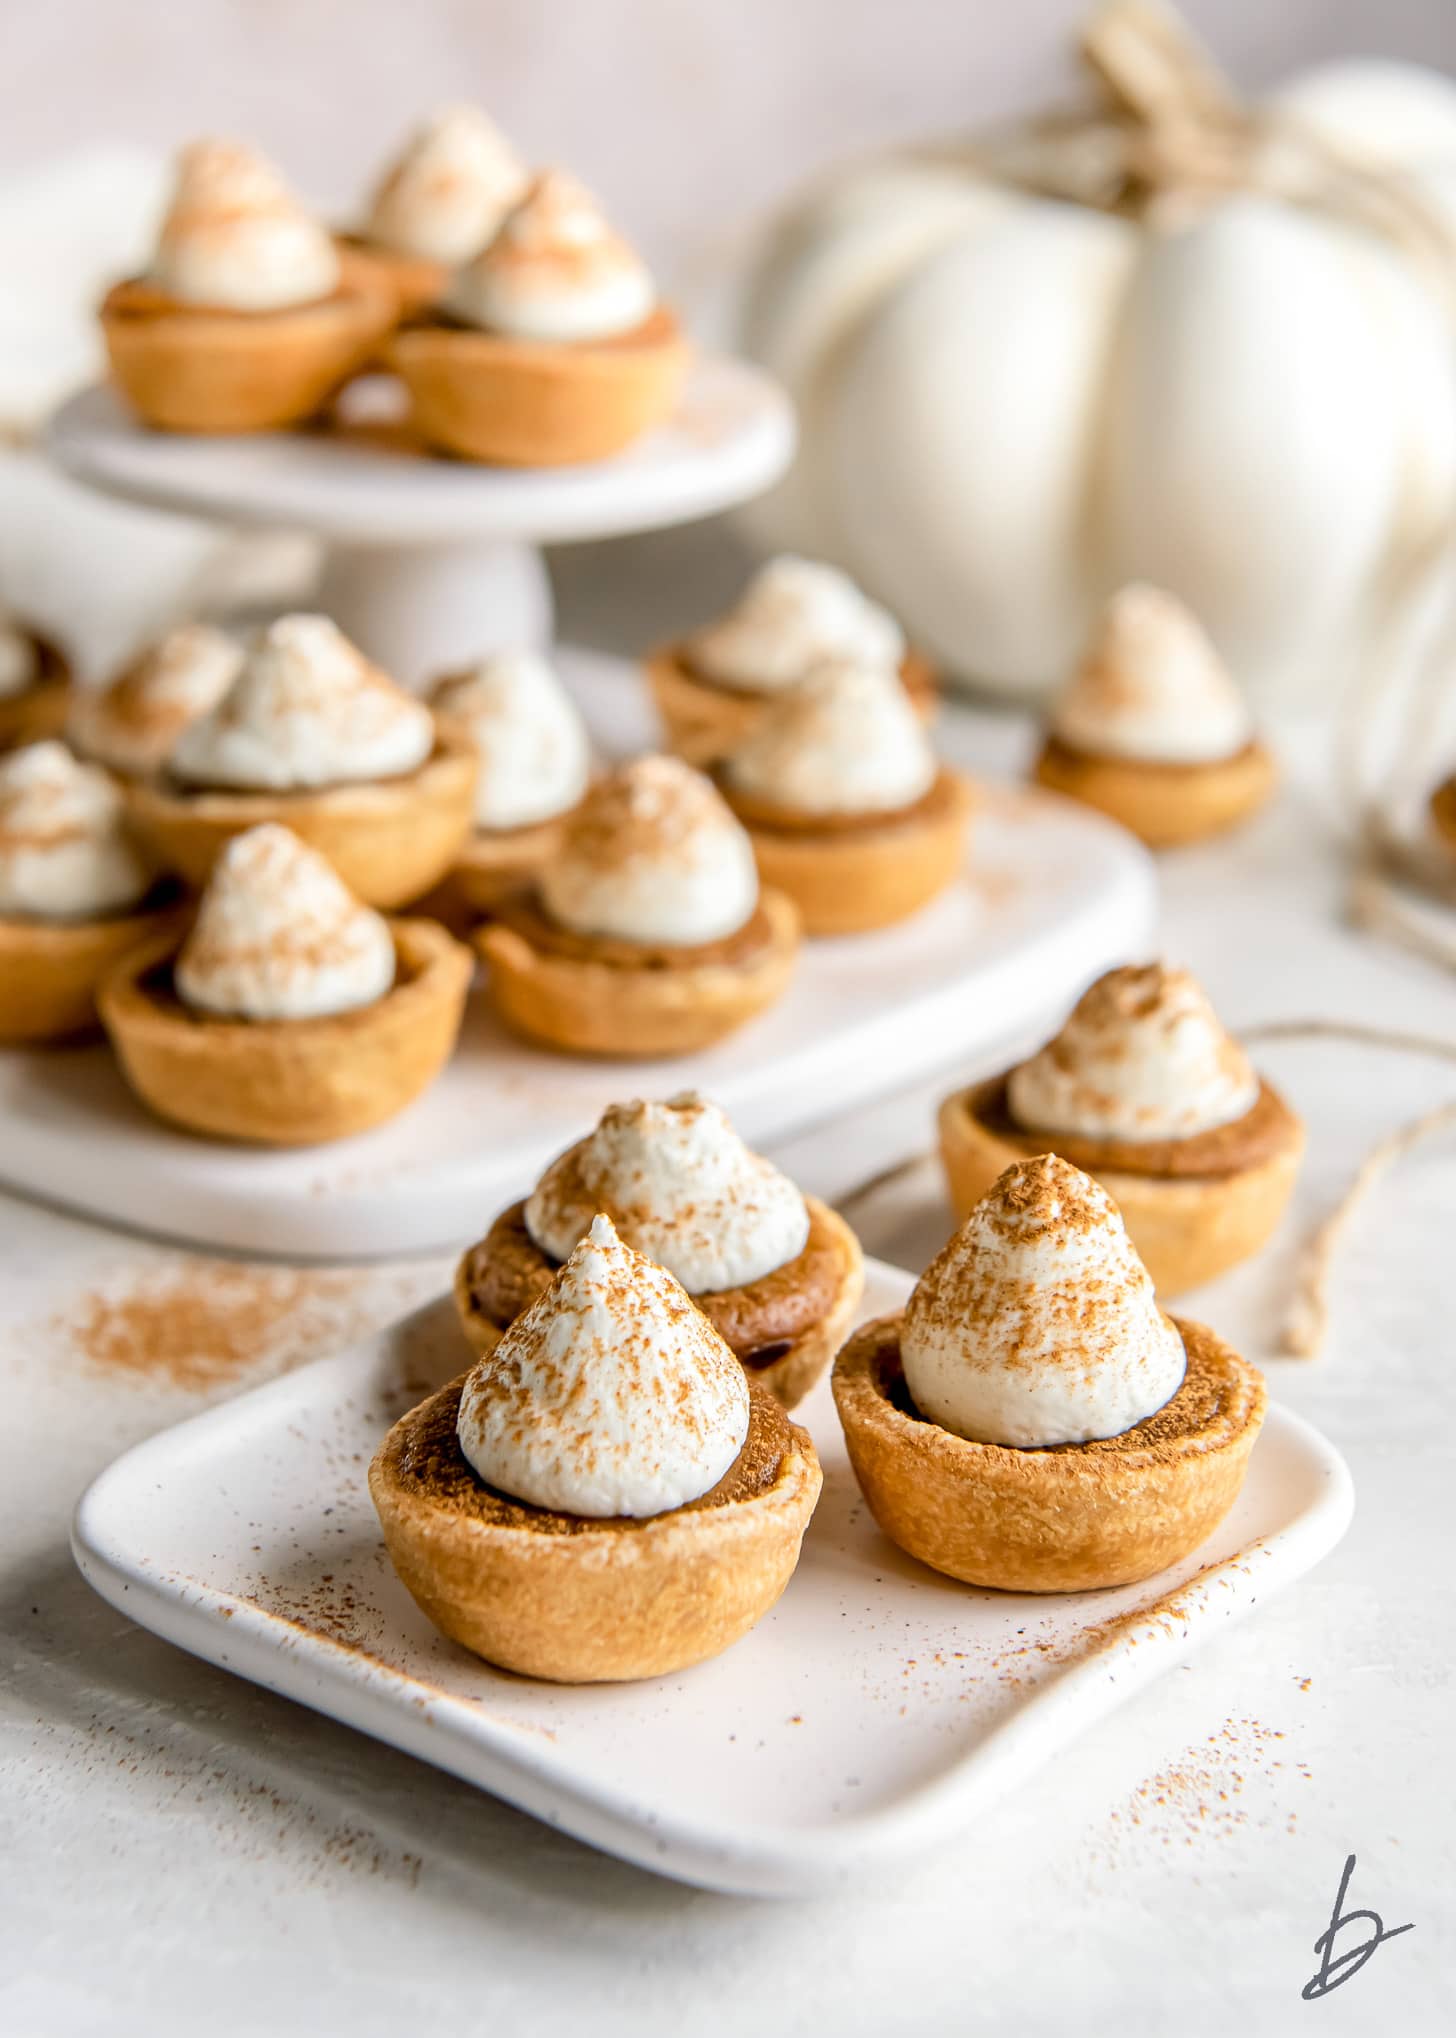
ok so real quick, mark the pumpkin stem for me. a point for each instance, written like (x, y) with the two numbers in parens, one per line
(1154, 69)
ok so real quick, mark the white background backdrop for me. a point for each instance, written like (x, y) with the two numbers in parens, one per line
(690, 115)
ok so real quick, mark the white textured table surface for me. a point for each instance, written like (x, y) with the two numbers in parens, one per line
(179, 1851)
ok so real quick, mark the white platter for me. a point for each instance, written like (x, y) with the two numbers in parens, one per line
(876, 1709)
(1052, 895)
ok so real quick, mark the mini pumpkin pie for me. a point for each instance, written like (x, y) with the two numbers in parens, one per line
(436, 206)
(647, 934)
(778, 1273)
(132, 724)
(311, 735)
(1152, 729)
(713, 687)
(1145, 1089)
(606, 1494)
(75, 892)
(289, 1013)
(1031, 1420)
(849, 814)
(534, 765)
(245, 321)
(35, 685)
(550, 346)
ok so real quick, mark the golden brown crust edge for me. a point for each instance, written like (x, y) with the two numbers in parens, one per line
(790, 1376)
(389, 841)
(1040, 1521)
(520, 403)
(294, 1083)
(50, 973)
(215, 371)
(702, 722)
(857, 880)
(589, 1609)
(1164, 805)
(1186, 1231)
(42, 709)
(593, 1008)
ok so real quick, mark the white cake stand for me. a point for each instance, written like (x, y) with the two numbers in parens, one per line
(430, 561)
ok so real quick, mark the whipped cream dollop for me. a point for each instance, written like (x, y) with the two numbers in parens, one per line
(64, 850)
(653, 854)
(1152, 687)
(19, 658)
(278, 935)
(133, 724)
(611, 1395)
(845, 741)
(306, 709)
(793, 614)
(555, 270)
(1037, 1323)
(236, 237)
(679, 1185)
(449, 190)
(535, 759)
(1143, 1055)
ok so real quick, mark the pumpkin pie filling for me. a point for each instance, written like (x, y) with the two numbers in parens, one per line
(1211, 1405)
(525, 916)
(1265, 1130)
(431, 1467)
(943, 800)
(507, 1271)
(1057, 751)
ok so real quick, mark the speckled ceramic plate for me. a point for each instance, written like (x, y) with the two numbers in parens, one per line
(876, 1709)
(1051, 896)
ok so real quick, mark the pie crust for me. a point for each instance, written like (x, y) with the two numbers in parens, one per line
(704, 720)
(390, 840)
(537, 403)
(582, 1601)
(1069, 1519)
(288, 1082)
(412, 283)
(1443, 811)
(39, 710)
(851, 874)
(758, 1321)
(50, 970)
(1164, 805)
(193, 368)
(608, 998)
(1193, 1207)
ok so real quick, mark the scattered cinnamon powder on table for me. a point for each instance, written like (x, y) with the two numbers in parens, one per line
(207, 1324)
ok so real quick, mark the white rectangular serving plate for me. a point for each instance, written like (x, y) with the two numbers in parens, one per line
(1051, 896)
(875, 1710)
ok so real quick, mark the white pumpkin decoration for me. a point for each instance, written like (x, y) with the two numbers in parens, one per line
(1240, 387)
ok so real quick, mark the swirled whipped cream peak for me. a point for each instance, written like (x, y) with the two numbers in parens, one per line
(305, 710)
(680, 1185)
(535, 758)
(278, 935)
(449, 190)
(236, 238)
(1037, 1324)
(554, 270)
(1151, 687)
(1142, 1056)
(64, 850)
(793, 614)
(611, 1395)
(19, 658)
(845, 741)
(654, 855)
(133, 724)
